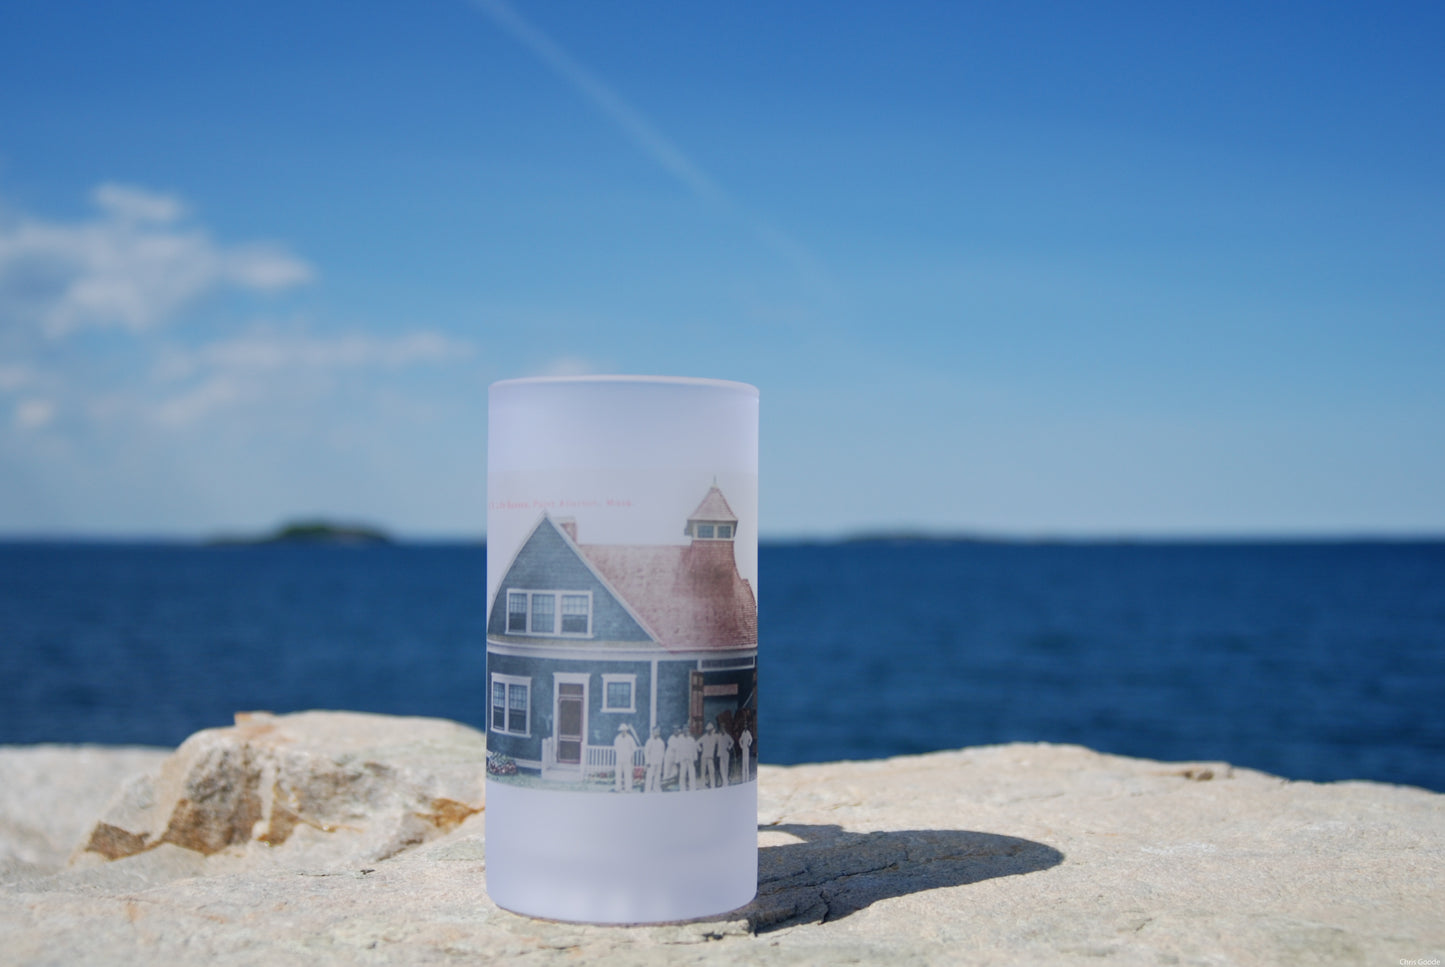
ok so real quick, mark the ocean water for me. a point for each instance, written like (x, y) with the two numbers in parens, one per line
(1314, 661)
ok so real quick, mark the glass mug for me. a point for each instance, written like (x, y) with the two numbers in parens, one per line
(622, 647)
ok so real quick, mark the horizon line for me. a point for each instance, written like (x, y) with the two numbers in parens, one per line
(862, 536)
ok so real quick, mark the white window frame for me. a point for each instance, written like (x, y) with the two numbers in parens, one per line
(526, 612)
(697, 525)
(556, 596)
(631, 681)
(509, 682)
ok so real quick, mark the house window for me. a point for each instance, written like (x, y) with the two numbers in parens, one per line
(511, 705)
(551, 613)
(576, 614)
(712, 531)
(517, 612)
(617, 693)
(544, 613)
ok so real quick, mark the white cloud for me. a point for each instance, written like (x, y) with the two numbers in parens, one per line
(137, 204)
(220, 421)
(258, 365)
(33, 414)
(266, 351)
(568, 366)
(264, 267)
(15, 377)
(135, 266)
(192, 406)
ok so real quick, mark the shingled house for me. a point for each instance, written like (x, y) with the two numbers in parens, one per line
(584, 637)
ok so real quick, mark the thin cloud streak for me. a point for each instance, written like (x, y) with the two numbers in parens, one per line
(656, 145)
(642, 132)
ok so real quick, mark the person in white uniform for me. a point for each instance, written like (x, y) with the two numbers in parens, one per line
(654, 756)
(687, 750)
(746, 741)
(674, 754)
(725, 756)
(625, 747)
(708, 743)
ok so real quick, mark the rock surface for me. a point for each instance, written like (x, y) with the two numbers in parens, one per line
(340, 838)
(354, 789)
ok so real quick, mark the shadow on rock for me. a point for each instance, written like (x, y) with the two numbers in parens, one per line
(830, 873)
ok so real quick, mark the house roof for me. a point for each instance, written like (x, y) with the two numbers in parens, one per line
(685, 597)
(691, 597)
(714, 507)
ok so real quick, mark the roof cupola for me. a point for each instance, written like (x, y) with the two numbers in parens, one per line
(713, 520)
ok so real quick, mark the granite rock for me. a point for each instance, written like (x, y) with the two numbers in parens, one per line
(50, 796)
(1004, 854)
(330, 786)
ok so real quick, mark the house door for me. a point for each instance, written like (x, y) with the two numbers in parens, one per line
(571, 720)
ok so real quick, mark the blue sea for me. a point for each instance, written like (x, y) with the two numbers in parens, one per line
(1313, 661)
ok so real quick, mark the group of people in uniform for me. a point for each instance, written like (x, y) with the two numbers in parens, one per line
(696, 762)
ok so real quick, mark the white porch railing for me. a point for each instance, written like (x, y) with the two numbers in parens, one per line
(603, 759)
(596, 760)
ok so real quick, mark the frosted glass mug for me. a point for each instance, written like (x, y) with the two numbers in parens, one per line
(622, 679)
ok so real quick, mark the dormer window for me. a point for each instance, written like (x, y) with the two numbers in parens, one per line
(711, 531)
(565, 614)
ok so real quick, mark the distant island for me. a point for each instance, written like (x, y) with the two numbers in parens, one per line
(313, 532)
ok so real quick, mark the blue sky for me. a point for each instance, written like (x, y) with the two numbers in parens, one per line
(1018, 269)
